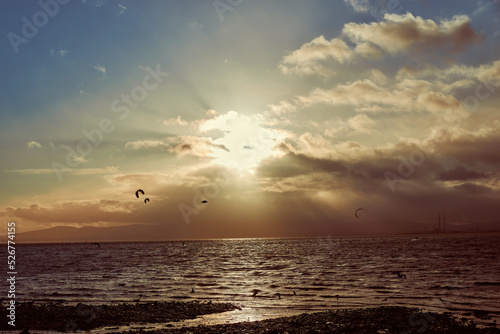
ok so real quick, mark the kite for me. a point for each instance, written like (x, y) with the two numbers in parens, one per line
(356, 213)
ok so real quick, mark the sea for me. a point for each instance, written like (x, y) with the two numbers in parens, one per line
(272, 277)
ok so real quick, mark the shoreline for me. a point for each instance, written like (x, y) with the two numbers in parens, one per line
(188, 317)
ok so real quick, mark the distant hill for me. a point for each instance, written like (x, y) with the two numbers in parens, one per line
(136, 232)
(143, 232)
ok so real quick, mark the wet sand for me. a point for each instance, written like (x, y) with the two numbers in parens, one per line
(142, 317)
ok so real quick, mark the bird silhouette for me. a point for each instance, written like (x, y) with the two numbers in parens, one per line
(400, 275)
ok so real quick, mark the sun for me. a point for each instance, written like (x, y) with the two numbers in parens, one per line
(246, 142)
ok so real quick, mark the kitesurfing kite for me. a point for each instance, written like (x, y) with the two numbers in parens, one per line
(204, 201)
(139, 191)
(146, 200)
(356, 213)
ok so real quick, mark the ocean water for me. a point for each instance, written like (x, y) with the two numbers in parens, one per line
(455, 273)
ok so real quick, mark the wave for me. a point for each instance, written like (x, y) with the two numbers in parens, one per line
(487, 283)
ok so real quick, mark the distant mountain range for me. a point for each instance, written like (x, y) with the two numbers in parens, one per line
(136, 232)
(143, 232)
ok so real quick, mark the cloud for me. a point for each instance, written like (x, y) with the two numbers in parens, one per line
(180, 145)
(490, 73)
(195, 25)
(210, 112)
(95, 3)
(58, 52)
(478, 80)
(74, 212)
(472, 148)
(100, 68)
(433, 182)
(361, 123)
(395, 35)
(33, 144)
(72, 171)
(377, 77)
(401, 97)
(360, 6)
(307, 59)
(459, 173)
(146, 144)
(407, 33)
(121, 9)
(283, 108)
(175, 121)
(446, 155)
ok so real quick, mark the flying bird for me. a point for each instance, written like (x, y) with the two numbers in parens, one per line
(356, 213)
(139, 191)
(204, 201)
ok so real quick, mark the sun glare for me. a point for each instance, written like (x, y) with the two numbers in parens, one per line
(245, 142)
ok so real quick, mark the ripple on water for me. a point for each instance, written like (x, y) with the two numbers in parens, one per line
(443, 267)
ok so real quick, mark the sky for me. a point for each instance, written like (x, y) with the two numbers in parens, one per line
(285, 116)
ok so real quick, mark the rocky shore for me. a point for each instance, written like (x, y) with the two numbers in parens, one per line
(82, 317)
(380, 320)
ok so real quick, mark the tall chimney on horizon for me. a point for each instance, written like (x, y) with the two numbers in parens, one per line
(439, 220)
(444, 222)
